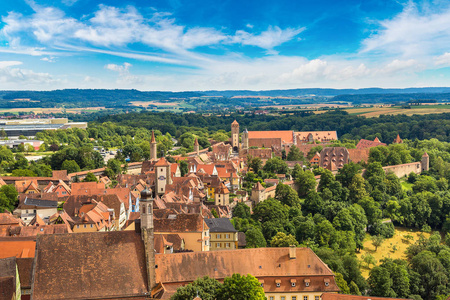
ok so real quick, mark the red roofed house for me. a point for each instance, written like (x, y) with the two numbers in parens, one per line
(364, 144)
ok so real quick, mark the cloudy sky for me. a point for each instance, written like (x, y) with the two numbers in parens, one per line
(228, 44)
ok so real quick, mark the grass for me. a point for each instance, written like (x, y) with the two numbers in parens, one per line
(386, 249)
(372, 112)
(406, 185)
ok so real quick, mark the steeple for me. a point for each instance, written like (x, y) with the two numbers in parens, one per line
(147, 234)
(196, 147)
(153, 155)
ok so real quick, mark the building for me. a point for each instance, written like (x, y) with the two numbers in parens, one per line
(364, 144)
(29, 127)
(330, 296)
(223, 236)
(30, 207)
(123, 264)
(9, 279)
(333, 158)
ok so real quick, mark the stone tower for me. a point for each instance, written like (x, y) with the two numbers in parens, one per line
(162, 172)
(196, 147)
(147, 234)
(153, 150)
(425, 162)
(235, 136)
(245, 139)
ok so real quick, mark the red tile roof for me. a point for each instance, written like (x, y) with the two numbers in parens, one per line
(287, 136)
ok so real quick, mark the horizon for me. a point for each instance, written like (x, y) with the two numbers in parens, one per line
(181, 45)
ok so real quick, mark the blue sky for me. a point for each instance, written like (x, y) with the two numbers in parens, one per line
(201, 45)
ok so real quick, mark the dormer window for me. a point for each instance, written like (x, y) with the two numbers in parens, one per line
(307, 281)
(278, 282)
(327, 281)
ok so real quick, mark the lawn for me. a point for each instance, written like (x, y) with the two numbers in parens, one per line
(386, 250)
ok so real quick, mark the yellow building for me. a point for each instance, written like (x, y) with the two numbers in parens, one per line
(223, 235)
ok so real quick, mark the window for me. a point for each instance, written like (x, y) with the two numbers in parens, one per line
(306, 283)
(84, 225)
(92, 225)
(293, 284)
(278, 284)
(34, 211)
(283, 298)
(294, 297)
(218, 245)
(327, 283)
(316, 298)
(162, 190)
(227, 245)
(305, 297)
(64, 193)
(271, 298)
(227, 236)
(218, 236)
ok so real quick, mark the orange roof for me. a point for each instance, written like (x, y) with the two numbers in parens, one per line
(153, 140)
(329, 296)
(286, 136)
(317, 135)
(425, 154)
(196, 142)
(259, 187)
(234, 123)
(18, 247)
(162, 162)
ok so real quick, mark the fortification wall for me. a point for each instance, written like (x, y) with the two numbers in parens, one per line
(404, 169)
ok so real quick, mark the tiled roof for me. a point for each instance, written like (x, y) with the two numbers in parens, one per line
(162, 162)
(17, 246)
(259, 262)
(97, 265)
(7, 218)
(316, 135)
(31, 203)
(25, 266)
(220, 225)
(357, 155)
(363, 144)
(330, 296)
(181, 223)
(287, 136)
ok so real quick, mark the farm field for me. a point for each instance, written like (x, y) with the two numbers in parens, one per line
(372, 112)
(47, 110)
(386, 250)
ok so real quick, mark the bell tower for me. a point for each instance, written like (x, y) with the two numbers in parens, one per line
(147, 235)
(235, 136)
(153, 147)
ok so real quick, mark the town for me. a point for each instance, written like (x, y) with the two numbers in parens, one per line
(162, 223)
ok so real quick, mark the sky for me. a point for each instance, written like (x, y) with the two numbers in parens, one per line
(195, 45)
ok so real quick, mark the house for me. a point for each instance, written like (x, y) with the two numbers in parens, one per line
(9, 279)
(192, 228)
(30, 207)
(222, 195)
(330, 296)
(315, 160)
(94, 216)
(134, 271)
(61, 189)
(364, 144)
(223, 236)
(20, 247)
(333, 158)
(305, 137)
(27, 186)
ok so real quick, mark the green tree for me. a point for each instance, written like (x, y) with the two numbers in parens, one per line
(206, 288)
(380, 283)
(282, 239)
(347, 173)
(184, 168)
(241, 210)
(377, 241)
(239, 287)
(342, 284)
(276, 165)
(23, 173)
(90, 177)
(286, 195)
(354, 290)
(8, 198)
(115, 165)
(295, 154)
(306, 182)
(254, 238)
(71, 166)
(254, 163)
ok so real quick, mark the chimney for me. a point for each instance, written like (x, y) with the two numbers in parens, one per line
(292, 252)
(147, 234)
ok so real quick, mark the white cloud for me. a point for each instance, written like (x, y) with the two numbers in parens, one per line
(11, 78)
(416, 31)
(442, 60)
(48, 59)
(272, 37)
(5, 64)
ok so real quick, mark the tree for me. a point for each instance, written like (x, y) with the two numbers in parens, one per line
(254, 238)
(306, 182)
(115, 165)
(347, 173)
(90, 177)
(239, 287)
(295, 154)
(254, 163)
(71, 166)
(214, 213)
(354, 290)
(381, 283)
(206, 288)
(341, 283)
(8, 198)
(276, 165)
(368, 259)
(377, 241)
(241, 210)
(184, 168)
(286, 195)
(281, 239)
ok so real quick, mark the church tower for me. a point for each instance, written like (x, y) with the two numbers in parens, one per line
(162, 172)
(153, 150)
(196, 147)
(147, 235)
(425, 162)
(245, 139)
(235, 136)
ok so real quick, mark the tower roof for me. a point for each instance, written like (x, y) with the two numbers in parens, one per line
(258, 187)
(425, 154)
(196, 142)
(377, 140)
(153, 140)
(162, 162)
(235, 123)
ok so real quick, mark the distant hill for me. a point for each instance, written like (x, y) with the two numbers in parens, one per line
(72, 98)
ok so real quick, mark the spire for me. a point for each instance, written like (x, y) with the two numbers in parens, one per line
(196, 142)
(153, 140)
(377, 140)
(425, 154)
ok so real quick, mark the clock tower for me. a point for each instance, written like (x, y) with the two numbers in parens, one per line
(162, 172)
